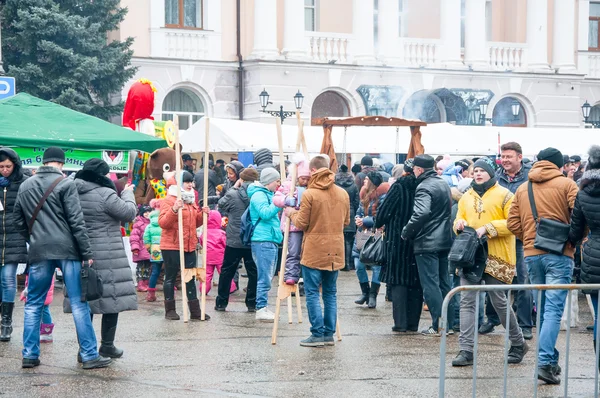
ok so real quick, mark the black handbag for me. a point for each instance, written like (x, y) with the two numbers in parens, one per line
(464, 247)
(91, 284)
(551, 236)
(373, 252)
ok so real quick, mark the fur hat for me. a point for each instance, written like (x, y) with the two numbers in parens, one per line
(594, 158)
(249, 174)
(424, 161)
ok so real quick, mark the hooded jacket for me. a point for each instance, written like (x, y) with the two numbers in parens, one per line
(216, 239)
(400, 267)
(429, 225)
(136, 239)
(233, 205)
(237, 167)
(152, 238)
(263, 158)
(586, 215)
(554, 198)
(264, 211)
(346, 182)
(280, 197)
(59, 232)
(13, 246)
(324, 211)
(452, 175)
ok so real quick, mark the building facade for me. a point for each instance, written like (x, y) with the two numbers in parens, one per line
(505, 62)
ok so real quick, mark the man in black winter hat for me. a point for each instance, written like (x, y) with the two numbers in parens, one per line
(431, 230)
(57, 238)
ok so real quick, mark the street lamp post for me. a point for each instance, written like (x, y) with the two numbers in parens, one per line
(264, 102)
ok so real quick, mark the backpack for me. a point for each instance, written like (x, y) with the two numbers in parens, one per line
(247, 227)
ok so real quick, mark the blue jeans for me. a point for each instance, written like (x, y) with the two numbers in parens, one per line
(264, 255)
(9, 282)
(361, 272)
(550, 269)
(156, 267)
(40, 278)
(594, 297)
(46, 315)
(322, 321)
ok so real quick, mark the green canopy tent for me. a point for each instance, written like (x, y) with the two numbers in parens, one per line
(27, 121)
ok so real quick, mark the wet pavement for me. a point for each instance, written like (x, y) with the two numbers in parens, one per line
(231, 355)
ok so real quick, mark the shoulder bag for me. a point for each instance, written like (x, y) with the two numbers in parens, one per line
(464, 247)
(551, 235)
(373, 252)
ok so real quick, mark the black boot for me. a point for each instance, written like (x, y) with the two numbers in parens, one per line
(364, 286)
(170, 312)
(108, 331)
(6, 322)
(373, 295)
(195, 311)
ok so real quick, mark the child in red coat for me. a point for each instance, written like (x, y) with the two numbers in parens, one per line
(215, 242)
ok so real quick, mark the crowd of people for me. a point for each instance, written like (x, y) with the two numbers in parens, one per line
(420, 206)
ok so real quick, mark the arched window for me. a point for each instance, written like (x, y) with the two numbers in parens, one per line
(329, 104)
(503, 113)
(184, 103)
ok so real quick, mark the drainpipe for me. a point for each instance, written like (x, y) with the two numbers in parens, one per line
(240, 63)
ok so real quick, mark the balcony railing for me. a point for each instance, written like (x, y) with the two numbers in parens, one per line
(328, 47)
(506, 56)
(419, 52)
(185, 44)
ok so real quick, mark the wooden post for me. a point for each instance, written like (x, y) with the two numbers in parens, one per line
(204, 215)
(178, 177)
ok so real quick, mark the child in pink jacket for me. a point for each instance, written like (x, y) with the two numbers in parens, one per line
(292, 263)
(46, 327)
(141, 256)
(215, 242)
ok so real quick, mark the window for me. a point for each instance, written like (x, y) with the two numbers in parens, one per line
(183, 14)
(594, 34)
(488, 20)
(310, 15)
(185, 104)
(402, 21)
(462, 24)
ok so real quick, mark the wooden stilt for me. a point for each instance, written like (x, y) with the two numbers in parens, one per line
(205, 216)
(184, 301)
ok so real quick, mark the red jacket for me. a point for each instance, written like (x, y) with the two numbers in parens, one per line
(192, 219)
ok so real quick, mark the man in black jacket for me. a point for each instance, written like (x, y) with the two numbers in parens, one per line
(345, 180)
(431, 230)
(57, 239)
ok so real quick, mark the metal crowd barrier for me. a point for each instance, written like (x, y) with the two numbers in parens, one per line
(510, 289)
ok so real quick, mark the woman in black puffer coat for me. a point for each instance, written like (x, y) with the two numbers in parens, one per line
(400, 270)
(586, 214)
(345, 180)
(13, 248)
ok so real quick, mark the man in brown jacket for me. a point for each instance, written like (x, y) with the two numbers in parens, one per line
(324, 212)
(554, 196)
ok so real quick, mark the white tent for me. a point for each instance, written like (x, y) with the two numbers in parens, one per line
(233, 136)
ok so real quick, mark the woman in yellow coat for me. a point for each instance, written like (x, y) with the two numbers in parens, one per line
(485, 208)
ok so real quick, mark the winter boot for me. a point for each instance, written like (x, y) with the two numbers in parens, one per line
(107, 333)
(364, 286)
(170, 312)
(195, 311)
(142, 286)
(151, 295)
(46, 332)
(6, 322)
(373, 295)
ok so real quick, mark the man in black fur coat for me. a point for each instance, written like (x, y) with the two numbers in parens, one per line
(400, 270)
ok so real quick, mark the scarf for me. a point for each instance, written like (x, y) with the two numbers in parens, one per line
(188, 197)
(4, 182)
(481, 189)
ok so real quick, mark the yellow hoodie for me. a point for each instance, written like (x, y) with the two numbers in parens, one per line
(492, 211)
